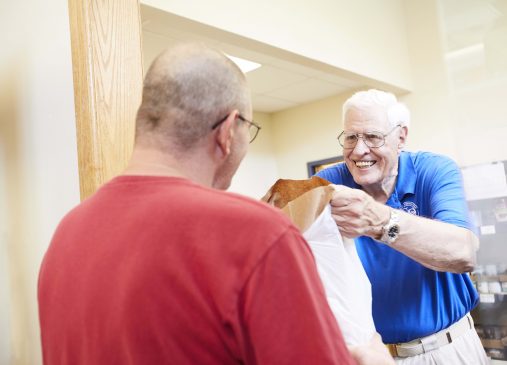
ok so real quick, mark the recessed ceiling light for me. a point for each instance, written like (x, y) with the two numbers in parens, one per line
(244, 65)
(467, 51)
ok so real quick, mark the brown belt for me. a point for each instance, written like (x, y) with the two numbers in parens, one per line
(434, 341)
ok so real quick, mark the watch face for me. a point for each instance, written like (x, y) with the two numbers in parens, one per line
(393, 231)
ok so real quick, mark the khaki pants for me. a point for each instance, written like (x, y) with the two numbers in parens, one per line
(465, 350)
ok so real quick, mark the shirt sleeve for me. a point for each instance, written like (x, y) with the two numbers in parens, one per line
(286, 317)
(447, 197)
(331, 174)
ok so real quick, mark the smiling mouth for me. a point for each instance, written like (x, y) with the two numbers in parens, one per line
(365, 164)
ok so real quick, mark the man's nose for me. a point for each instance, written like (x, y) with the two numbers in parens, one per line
(361, 147)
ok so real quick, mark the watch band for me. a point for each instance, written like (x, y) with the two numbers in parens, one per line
(391, 230)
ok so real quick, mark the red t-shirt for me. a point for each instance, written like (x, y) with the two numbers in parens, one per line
(159, 270)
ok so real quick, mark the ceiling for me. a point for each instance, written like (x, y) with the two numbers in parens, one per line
(474, 37)
(285, 80)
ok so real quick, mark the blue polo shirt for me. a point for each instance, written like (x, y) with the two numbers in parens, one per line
(409, 300)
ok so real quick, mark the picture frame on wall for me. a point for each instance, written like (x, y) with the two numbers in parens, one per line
(315, 166)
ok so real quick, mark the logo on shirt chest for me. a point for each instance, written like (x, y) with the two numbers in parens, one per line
(410, 207)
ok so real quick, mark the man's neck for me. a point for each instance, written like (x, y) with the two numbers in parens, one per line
(152, 162)
(381, 193)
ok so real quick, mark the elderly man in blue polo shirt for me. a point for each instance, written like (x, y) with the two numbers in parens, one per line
(409, 217)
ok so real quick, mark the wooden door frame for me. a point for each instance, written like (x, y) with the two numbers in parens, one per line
(108, 74)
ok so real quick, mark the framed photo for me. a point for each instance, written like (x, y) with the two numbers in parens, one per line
(315, 166)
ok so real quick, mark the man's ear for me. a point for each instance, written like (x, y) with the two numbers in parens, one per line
(225, 133)
(403, 138)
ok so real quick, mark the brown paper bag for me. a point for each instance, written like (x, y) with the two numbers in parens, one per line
(301, 200)
(305, 209)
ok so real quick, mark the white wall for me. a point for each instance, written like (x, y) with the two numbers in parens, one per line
(467, 122)
(258, 171)
(430, 102)
(366, 37)
(307, 133)
(38, 176)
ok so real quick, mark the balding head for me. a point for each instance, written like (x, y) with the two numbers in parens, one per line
(186, 90)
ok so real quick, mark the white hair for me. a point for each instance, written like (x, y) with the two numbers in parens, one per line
(397, 113)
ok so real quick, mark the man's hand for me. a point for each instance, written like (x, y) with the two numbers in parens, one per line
(374, 352)
(357, 214)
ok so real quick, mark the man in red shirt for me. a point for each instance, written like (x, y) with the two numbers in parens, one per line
(160, 266)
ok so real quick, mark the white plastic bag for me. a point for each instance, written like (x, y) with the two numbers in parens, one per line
(347, 287)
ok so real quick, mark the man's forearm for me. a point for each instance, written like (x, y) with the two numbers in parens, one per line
(437, 245)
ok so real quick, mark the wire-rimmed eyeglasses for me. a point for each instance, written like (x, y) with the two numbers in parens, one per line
(253, 127)
(372, 139)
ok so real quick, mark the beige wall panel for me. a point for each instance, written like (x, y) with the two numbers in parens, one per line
(307, 133)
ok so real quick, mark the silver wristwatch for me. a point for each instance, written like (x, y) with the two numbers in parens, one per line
(391, 230)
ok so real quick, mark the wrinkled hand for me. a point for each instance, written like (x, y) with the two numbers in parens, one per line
(357, 214)
(373, 353)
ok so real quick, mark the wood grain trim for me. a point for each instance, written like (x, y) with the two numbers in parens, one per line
(108, 72)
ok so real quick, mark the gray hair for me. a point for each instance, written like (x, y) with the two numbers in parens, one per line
(397, 113)
(187, 89)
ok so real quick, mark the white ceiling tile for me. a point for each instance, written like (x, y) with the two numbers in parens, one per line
(307, 90)
(344, 81)
(294, 67)
(268, 78)
(283, 81)
(267, 104)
